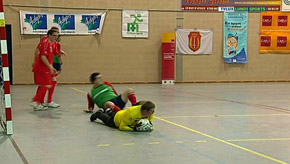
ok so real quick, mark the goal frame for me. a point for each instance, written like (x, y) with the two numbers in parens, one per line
(6, 117)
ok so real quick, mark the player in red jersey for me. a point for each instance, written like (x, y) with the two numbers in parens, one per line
(60, 52)
(43, 68)
(57, 62)
(37, 48)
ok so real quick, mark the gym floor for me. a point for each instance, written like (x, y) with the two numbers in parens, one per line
(199, 123)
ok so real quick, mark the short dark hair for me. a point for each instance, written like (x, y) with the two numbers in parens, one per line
(93, 77)
(50, 32)
(147, 105)
(54, 28)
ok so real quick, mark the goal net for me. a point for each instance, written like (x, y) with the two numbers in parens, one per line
(2, 98)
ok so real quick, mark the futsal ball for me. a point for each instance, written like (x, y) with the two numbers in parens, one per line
(144, 125)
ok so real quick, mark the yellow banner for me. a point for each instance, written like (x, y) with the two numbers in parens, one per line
(275, 32)
(274, 42)
(273, 21)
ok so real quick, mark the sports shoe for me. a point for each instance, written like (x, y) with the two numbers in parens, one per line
(109, 111)
(33, 104)
(88, 111)
(95, 115)
(40, 108)
(52, 104)
(137, 103)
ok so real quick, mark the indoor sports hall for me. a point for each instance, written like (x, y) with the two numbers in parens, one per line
(217, 71)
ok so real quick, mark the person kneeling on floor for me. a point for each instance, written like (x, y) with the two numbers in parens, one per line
(127, 119)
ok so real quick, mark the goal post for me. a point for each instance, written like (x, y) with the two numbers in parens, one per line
(5, 96)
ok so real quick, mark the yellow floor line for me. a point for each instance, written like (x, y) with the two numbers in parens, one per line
(103, 145)
(223, 141)
(179, 141)
(79, 90)
(201, 141)
(260, 139)
(129, 144)
(214, 116)
(153, 143)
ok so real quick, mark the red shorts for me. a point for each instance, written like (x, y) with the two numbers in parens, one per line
(54, 75)
(42, 78)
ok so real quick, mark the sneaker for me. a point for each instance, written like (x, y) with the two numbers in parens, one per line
(52, 104)
(137, 103)
(95, 115)
(40, 108)
(33, 104)
(88, 111)
(109, 111)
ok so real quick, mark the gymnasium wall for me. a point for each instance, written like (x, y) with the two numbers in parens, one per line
(123, 60)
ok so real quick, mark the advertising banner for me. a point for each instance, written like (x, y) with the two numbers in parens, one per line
(68, 23)
(274, 42)
(273, 21)
(232, 5)
(275, 32)
(135, 23)
(236, 37)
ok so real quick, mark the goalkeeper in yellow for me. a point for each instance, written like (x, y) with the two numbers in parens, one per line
(126, 119)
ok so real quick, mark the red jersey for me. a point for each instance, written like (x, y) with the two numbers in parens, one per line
(57, 46)
(47, 49)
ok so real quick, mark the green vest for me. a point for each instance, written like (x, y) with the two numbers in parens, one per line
(56, 59)
(102, 94)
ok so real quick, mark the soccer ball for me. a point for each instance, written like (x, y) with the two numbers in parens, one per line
(144, 125)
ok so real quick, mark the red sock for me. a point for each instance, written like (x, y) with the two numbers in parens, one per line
(115, 108)
(41, 91)
(132, 97)
(90, 102)
(34, 98)
(43, 97)
(51, 91)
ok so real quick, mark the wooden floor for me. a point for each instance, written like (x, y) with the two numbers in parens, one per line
(216, 123)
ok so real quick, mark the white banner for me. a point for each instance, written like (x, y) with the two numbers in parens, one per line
(286, 5)
(194, 41)
(135, 23)
(68, 23)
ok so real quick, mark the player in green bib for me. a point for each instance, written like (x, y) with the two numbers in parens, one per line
(104, 95)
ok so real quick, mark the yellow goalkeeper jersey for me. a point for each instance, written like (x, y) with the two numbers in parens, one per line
(126, 119)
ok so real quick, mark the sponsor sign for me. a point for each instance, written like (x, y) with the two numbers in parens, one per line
(40, 23)
(229, 5)
(235, 37)
(135, 23)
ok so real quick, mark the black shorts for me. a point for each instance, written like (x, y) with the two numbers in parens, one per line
(119, 102)
(57, 66)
